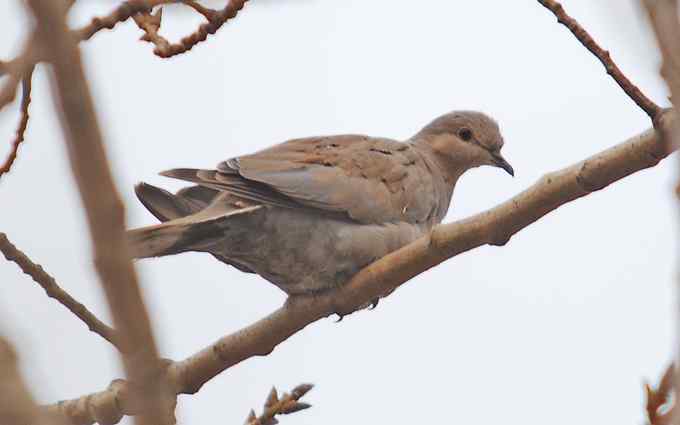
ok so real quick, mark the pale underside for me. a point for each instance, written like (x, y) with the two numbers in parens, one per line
(306, 214)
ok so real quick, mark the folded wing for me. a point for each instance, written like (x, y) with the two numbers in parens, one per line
(368, 180)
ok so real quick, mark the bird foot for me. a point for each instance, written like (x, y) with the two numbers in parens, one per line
(371, 306)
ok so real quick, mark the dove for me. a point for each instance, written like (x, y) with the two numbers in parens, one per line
(307, 214)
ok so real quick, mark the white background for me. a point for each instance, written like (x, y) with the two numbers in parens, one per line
(560, 326)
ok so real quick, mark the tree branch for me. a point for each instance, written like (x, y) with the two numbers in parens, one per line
(151, 24)
(663, 15)
(273, 406)
(23, 122)
(645, 103)
(16, 403)
(662, 402)
(21, 68)
(104, 210)
(493, 227)
(18, 67)
(16, 70)
(216, 19)
(52, 289)
(122, 13)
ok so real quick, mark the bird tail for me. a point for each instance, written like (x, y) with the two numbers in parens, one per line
(167, 206)
(195, 232)
(191, 221)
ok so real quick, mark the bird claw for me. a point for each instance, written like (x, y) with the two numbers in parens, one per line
(372, 306)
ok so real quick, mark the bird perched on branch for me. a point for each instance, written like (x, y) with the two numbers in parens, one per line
(308, 214)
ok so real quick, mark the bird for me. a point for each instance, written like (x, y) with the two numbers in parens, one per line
(309, 213)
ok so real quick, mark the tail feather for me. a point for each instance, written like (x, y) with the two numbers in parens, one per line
(198, 194)
(191, 233)
(167, 206)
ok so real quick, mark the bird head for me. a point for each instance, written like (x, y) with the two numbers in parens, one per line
(462, 140)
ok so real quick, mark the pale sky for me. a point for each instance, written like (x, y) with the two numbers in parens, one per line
(561, 325)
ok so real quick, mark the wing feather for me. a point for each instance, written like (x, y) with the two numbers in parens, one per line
(369, 180)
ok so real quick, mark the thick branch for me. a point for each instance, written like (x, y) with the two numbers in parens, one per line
(104, 209)
(663, 15)
(493, 227)
(52, 289)
(645, 103)
(16, 403)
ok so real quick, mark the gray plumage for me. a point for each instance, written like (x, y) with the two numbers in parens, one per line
(307, 214)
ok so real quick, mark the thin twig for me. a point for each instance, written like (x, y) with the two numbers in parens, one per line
(9, 89)
(493, 227)
(16, 71)
(645, 103)
(18, 68)
(104, 211)
(207, 13)
(120, 14)
(216, 19)
(151, 24)
(658, 399)
(53, 290)
(273, 406)
(23, 123)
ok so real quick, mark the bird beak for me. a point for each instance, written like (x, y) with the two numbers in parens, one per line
(500, 162)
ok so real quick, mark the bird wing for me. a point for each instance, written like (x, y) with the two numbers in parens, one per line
(371, 180)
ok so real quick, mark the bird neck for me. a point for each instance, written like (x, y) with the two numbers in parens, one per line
(445, 178)
(449, 168)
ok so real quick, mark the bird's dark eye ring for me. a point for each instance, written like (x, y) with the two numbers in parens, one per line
(465, 134)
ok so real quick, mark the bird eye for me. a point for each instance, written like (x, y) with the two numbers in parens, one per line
(465, 134)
